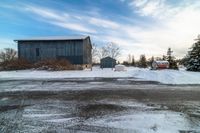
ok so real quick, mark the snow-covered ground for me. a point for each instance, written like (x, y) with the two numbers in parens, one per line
(163, 76)
(168, 76)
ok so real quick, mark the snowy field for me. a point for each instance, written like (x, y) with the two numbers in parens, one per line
(162, 76)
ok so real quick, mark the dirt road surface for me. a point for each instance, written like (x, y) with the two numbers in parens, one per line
(98, 105)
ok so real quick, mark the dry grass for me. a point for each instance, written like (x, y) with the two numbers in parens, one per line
(54, 65)
(50, 65)
(15, 64)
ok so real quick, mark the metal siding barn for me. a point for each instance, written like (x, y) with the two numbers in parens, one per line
(107, 62)
(76, 49)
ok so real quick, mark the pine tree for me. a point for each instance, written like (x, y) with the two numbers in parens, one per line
(164, 57)
(171, 60)
(143, 62)
(151, 60)
(133, 61)
(184, 61)
(193, 63)
(125, 63)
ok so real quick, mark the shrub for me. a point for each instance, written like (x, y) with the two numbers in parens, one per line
(51, 65)
(54, 65)
(15, 64)
(8, 54)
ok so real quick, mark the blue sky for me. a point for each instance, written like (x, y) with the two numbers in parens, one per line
(138, 26)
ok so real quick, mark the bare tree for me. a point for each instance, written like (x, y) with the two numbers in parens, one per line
(110, 49)
(102, 52)
(113, 50)
(7, 54)
(94, 53)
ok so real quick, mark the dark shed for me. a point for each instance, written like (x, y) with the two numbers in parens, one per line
(107, 62)
(76, 49)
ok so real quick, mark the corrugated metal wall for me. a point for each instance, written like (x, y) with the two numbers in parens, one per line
(71, 50)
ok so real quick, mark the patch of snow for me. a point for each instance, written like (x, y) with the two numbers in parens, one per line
(61, 120)
(96, 83)
(40, 115)
(144, 122)
(127, 103)
(168, 76)
(4, 99)
(36, 74)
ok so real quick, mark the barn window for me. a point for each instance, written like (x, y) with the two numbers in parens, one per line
(37, 52)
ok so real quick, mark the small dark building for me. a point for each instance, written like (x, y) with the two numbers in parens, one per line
(107, 62)
(76, 49)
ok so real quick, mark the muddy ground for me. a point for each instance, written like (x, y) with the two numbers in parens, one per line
(98, 105)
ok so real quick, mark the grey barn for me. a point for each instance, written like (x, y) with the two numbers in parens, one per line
(107, 62)
(76, 49)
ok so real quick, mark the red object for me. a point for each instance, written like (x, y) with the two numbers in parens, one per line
(160, 64)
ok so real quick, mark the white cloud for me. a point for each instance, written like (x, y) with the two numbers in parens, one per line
(61, 19)
(103, 23)
(154, 8)
(73, 26)
(46, 13)
(175, 27)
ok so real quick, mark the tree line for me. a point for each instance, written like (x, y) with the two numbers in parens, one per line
(114, 51)
(191, 61)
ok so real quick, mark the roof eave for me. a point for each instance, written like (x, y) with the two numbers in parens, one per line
(51, 39)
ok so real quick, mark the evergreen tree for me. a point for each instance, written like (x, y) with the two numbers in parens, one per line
(151, 60)
(171, 60)
(133, 61)
(193, 63)
(125, 63)
(184, 61)
(142, 62)
(164, 57)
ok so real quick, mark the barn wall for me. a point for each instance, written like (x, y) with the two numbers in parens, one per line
(87, 50)
(71, 50)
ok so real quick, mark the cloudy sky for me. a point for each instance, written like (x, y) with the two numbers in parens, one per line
(138, 26)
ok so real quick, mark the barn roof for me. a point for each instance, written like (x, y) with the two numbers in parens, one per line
(54, 38)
